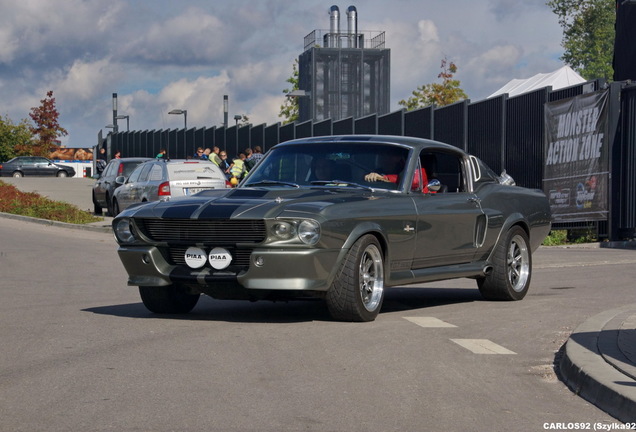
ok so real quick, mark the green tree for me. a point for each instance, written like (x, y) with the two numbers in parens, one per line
(46, 127)
(289, 109)
(14, 138)
(588, 35)
(440, 94)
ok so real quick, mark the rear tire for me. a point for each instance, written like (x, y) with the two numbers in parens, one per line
(169, 299)
(357, 292)
(18, 174)
(512, 268)
(97, 207)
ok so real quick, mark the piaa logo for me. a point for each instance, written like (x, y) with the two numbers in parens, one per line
(195, 257)
(219, 258)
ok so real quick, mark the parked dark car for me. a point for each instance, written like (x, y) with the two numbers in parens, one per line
(34, 166)
(339, 218)
(105, 185)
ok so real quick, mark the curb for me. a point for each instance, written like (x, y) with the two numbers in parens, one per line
(586, 372)
(104, 228)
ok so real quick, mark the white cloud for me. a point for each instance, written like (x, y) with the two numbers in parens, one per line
(194, 36)
(160, 55)
(428, 31)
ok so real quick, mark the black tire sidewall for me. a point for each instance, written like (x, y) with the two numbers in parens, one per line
(344, 298)
(496, 285)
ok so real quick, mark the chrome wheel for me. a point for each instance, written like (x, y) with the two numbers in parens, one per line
(357, 292)
(518, 263)
(511, 268)
(371, 278)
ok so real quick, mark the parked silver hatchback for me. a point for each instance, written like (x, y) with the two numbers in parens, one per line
(162, 180)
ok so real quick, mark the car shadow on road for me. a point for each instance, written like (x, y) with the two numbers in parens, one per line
(397, 299)
(208, 309)
(411, 298)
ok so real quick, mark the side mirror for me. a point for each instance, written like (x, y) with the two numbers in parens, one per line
(506, 179)
(120, 180)
(434, 185)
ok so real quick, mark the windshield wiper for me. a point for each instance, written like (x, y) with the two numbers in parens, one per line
(341, 183)
(273, 182)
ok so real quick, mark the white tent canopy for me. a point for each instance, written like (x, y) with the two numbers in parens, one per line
(564, 77)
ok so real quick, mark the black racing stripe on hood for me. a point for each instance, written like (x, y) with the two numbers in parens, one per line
(248, 193)
(219, 211)
(180, 211)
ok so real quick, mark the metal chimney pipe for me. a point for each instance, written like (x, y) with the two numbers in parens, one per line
(225, 106)
(334, 26)
(352, 26)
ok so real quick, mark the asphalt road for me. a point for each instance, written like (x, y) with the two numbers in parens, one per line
(81, 353)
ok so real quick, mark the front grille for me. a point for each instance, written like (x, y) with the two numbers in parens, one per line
(224, 232)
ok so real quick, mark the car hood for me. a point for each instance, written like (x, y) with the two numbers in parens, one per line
(255, 203)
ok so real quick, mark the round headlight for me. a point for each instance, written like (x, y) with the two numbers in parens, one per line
(283, 230)
(309, 232)
(123, 231)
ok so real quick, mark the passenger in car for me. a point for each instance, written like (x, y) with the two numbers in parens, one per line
(397, 162)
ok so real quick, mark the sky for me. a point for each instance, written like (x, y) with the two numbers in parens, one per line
(160, 55)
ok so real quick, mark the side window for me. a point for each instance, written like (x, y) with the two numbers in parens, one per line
(143, 171)
(156, 173)
(109, 170)
(135, 174)
(482, 173)
(445, 167)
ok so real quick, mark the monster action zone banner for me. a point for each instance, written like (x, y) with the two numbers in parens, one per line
(576, 172)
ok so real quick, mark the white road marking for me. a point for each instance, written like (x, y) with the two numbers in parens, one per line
(482, 346)
(429, 322)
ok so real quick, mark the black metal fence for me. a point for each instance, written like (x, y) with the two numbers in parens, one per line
(506, 132)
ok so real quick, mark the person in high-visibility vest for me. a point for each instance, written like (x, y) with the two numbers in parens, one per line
(237, 169)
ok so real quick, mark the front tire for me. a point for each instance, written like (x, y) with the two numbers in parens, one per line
(115, 208)
(62, 174)
(512, 268)
(169, 299)
(357, 292)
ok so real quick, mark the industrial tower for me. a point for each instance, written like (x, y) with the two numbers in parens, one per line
(343, 74)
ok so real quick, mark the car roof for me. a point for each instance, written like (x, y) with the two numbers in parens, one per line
(180, 161)
(413, 142)
(131, 159)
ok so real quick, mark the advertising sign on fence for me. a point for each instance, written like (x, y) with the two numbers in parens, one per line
(576, 170)
(71, 154)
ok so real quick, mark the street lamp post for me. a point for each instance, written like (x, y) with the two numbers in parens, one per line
(121, 117)
(185, 126)
(115, 129)
(237, 118)
(225, 107)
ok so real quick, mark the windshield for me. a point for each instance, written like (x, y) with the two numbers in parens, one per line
(331, 164)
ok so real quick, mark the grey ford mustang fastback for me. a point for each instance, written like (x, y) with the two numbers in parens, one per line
(340, 218)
